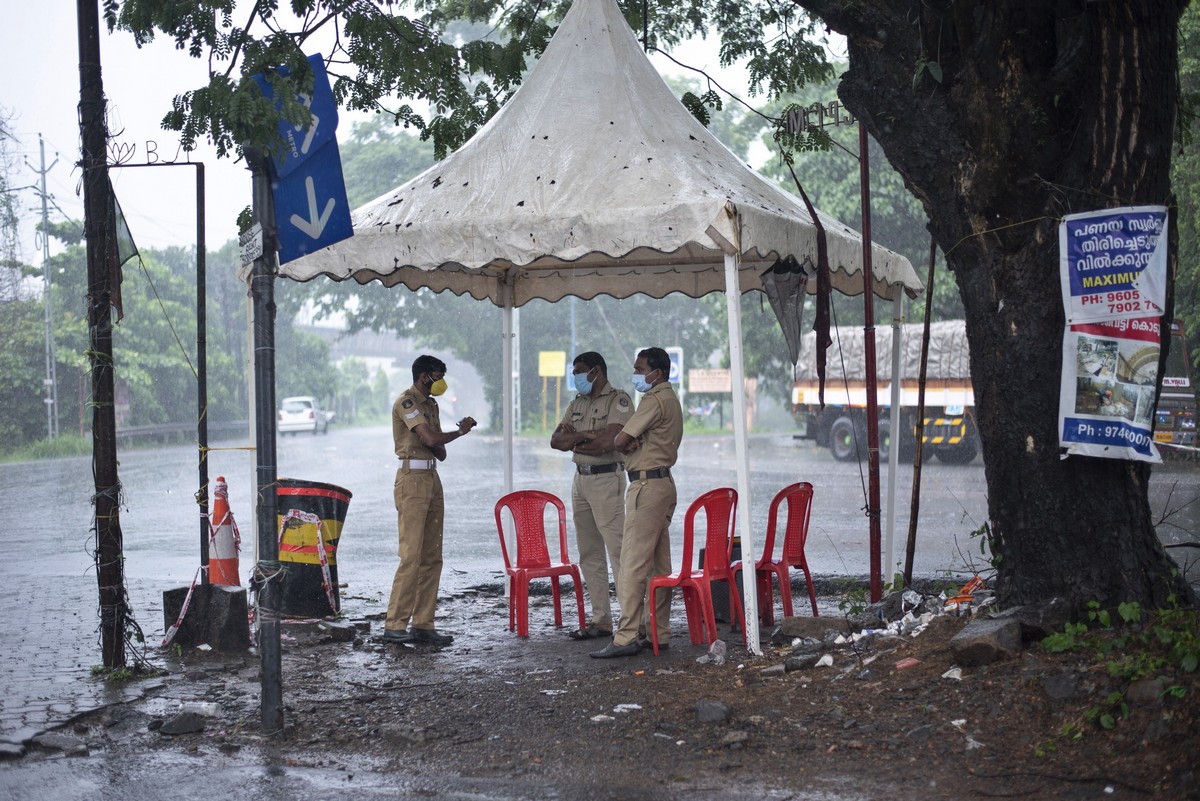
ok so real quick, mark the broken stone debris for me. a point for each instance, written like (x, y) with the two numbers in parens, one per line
(712, 711)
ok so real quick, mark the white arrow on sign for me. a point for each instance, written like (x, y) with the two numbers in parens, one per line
(314, 225)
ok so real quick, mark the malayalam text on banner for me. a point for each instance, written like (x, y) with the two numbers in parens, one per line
(1114, 263)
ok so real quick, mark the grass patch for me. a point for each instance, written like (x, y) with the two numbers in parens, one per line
(58, 448)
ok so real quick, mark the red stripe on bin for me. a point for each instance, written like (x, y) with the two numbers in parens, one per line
(311, 492)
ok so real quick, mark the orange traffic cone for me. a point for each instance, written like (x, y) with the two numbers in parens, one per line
(224, 539)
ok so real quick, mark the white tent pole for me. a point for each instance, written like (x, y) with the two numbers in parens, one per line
(515, 366)
(889, 563)
(733, 298)
(507, 372)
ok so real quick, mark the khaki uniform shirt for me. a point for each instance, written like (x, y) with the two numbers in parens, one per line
(659, 421)
(410, 410)
(596, 413)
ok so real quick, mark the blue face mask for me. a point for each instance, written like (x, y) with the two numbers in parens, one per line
(640, 382)
(582, 385)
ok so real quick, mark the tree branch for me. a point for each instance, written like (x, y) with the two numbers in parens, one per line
(237, 50)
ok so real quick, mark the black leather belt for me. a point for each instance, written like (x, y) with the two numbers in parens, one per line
(658, 472)
(595, 469)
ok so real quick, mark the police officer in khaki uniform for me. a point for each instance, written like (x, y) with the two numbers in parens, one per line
(587, 429)
(650, 442)
(420, 507)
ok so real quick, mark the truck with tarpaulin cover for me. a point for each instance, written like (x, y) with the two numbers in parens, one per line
(949, 431)
(1175, 415)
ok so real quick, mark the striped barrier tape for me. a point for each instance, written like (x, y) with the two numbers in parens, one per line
(171, 632)
(308, 517)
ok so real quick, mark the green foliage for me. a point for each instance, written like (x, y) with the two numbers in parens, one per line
(137, 671)
(853, 599)
(460, 59)
(64, 445)
(1141, 646)
(23, 366)
(1114, 709)
(361, 398)
(1070, 638)
(696, 106)
(926, 67)
(987, 544)
(154, 349)
(1185, 181)
(302, 367)
(381, 394)
(378, 157)
(154, 345)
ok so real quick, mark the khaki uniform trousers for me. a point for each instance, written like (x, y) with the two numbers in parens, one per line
(598, 508)
(645, 553)
(420, 513)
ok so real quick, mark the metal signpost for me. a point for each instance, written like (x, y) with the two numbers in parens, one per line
(303, 209)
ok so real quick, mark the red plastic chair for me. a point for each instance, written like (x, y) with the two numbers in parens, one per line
(528, 509)
(720, 509)
(798, 498)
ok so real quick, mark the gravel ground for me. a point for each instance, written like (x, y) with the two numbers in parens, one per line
(497, 716)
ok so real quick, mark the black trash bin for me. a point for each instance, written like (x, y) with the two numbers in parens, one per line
(720, 589)
(309, 588)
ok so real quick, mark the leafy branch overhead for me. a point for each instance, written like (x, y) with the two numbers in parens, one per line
(441, 67)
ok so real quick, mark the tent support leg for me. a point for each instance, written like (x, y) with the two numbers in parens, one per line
(507, 368)
(733, 298)
(889, 557)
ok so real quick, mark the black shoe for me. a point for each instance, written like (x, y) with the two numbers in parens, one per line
(646, 644)
(429, 636)
(394, 635)
(612, 649)
(589, 632)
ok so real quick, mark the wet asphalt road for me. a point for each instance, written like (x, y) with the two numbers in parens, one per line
(45, 506)
(48, 585)
(45, 514)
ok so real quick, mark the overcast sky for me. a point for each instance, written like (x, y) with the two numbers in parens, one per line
(39, 53)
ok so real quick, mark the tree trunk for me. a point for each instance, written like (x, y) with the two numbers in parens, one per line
(1003, 118)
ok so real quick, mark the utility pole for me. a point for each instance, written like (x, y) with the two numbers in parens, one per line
(99, 230)
(51, 380)
(268, 569)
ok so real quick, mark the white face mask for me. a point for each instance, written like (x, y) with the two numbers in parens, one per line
(641, 382)
(582, 385)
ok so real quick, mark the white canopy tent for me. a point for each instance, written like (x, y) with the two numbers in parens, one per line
(594, 179)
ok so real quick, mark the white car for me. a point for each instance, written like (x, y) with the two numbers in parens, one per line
(302, 413)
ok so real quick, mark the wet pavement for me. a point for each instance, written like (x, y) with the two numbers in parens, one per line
(49, 591)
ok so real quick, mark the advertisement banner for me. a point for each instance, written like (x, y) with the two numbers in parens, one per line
(1106, 402)
(1114, 263)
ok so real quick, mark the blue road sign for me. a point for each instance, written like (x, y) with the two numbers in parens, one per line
(311, 210)
(675, 354)
(302, 142)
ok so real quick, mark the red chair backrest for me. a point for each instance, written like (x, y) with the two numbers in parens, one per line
(720, 509)
(798, 498)
(528, 509)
